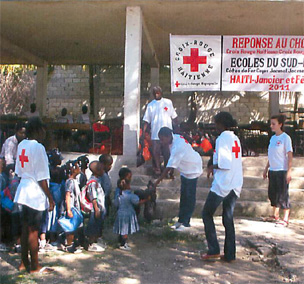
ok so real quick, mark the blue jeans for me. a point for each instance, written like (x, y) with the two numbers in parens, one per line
(212, 202)
(187, 200)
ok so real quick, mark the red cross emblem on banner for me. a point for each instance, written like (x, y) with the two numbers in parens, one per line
(236, 149)
(177, 84)
(165, 108)
(23, 158)
(194, 60)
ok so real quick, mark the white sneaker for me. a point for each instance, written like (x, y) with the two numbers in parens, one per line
(95, 248)
(49, 247)
(102, 243)
(176, 225)
(125, 247)
(182, 228)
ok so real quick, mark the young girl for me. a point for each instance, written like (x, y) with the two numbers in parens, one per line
(126, 221)
(279, 174)
(72, 192)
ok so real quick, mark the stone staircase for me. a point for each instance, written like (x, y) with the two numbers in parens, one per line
(253, 202)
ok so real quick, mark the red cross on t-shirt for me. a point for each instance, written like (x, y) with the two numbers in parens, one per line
(23, 158)
(165, 108)
(236, 149)
(194, 60)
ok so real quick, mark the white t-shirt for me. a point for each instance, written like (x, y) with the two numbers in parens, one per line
(278, 148)
(228, 157)
(183, 158)
(65, 119)
(9, 150)
(84, 118)
(32, 114)
(31, 167)
(160, 114)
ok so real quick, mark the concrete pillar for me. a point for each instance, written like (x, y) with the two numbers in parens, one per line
(41, 89)
(96, 82)
(154, 78)
(132, 83)
(274, 103)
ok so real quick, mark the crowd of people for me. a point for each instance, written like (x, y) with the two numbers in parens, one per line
(48, 206)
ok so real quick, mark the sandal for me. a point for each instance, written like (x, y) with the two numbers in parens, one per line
(44, 270)
(282, 223)
(271, 219)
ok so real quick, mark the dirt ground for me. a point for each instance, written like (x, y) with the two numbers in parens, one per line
(265, 254)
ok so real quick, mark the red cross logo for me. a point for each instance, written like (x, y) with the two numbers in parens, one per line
(23, 158)
(165, 108)
(236, 149)
(177, 84)
(194, 60)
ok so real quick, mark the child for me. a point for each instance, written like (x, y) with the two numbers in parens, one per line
(83, 162)
(50, 219)
(72, 200)
(97, 197)
(126, 221)
(105, 179)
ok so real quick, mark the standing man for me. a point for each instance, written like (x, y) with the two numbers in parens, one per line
(9, 148)
(189, 163)
(226, 187)
(159, 113)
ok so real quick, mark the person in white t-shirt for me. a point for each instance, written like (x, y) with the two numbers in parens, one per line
(84, 117)
(65, 117)
(33, 192)
(189, 163)
(226, 187)
(279, 174)
(159, 113)
(9, 147)
(33, 112)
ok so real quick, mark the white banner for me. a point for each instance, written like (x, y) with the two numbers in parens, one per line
(195, 63)
(263, 63)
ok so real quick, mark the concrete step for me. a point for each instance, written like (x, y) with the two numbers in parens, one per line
(247, 194)
(249, 164)
(249, 182)
(258, 171)
(247, 171)
(169, 209)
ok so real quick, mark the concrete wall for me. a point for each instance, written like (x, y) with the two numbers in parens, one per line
(69, 87)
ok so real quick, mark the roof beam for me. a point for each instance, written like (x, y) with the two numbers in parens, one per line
(19, 52)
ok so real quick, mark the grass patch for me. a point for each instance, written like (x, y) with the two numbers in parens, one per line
(16, 279)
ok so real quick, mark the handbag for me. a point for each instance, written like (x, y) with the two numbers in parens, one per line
(70, 225)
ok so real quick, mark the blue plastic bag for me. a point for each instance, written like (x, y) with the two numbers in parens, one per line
(6, 202)
(70, 225)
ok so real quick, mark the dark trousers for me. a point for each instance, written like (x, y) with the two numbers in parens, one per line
(187, 200)
(211, 204)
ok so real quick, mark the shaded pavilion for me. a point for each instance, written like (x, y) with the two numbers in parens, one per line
(131, 33)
